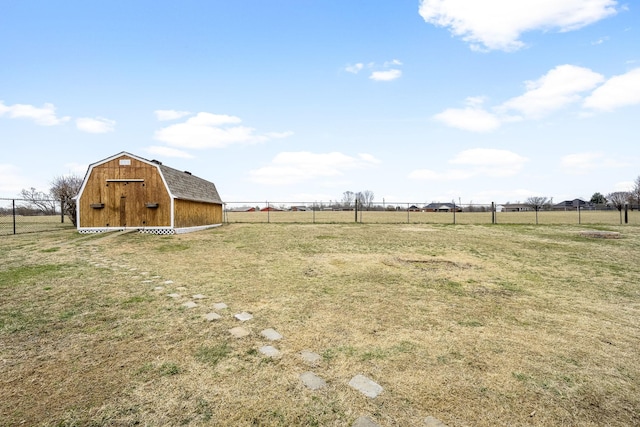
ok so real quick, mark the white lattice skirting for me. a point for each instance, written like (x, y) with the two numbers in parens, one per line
(150, 230)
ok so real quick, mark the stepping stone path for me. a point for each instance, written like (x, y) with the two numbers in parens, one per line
(366, 386)
(173, 295)
(212, 316)
(239, 332)
(364, 422)
(310, 357)
(270, 351)
(190, 304)
(168, 282)
(220, 306)
(312, 381)
(198, 296)
(244, 316)
(158, 288)
(271, 334)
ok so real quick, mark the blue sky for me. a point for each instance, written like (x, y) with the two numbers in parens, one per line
(292, 100)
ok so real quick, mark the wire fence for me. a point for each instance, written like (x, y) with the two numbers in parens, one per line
(434, 213)
(19, 216)
(22, 216)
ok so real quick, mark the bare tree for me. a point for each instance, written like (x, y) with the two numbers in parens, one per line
(65, 189)
(365, 199)
(618, 199)
(635, 193)
(40, 200)
(537, 203)
(348, 198)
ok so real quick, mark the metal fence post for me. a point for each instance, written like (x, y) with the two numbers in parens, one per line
(493, 213)
(62, 211)
(13, 208)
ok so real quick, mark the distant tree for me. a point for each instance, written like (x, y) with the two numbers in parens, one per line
(348, 197)
(618, 199)
(598, 199)
(635, 193)
(65, 188)
(365, 199)
(538, 203)
(40, 201)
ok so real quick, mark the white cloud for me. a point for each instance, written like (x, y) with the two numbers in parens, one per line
(392, 63)
(45, 116)
(498, 24)
(618, 91)
(97, 125)
(385, 76)
(168, 152)
(164, 115)
(11, 180)
(207, 130)
(624, 186)
(558, 88)
(584, 163)
(472, 118)
(292, 167)
(355, 69)
(488, 162)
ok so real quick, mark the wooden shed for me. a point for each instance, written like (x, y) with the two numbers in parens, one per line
(125, 191)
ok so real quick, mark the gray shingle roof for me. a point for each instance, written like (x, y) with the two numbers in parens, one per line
(183, 185)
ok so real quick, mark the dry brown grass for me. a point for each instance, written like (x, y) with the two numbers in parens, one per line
(475, 325)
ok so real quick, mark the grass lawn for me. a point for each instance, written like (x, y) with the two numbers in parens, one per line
(477, 325)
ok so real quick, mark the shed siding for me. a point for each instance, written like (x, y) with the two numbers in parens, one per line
(193, 214)
(125, 202)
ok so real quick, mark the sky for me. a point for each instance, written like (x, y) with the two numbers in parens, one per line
(301, 100)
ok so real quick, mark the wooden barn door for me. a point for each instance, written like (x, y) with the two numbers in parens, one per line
(127, 207)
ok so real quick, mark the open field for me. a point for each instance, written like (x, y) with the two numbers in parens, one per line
(476, 325)
(612, 217)
(32, 224)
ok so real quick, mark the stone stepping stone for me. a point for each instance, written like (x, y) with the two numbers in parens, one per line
(168, 282)
(271, 334)
(190, 304)
(173, 295)
(147, 281)
(312, 381)
(198, 296)
(220, 306)
(144, 273)
(310, 357)
(366, 386)
(433, 422)
(155, 277)
(364, 422)
(269, 351)
(239, 332)
(212, 316)
(158, 288)
(244, 316)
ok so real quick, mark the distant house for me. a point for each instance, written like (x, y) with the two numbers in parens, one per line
(569, 205)
(414, 208)
(125, 191)
(517, 207)
(299, 208)
(270, 209)
(442, 207)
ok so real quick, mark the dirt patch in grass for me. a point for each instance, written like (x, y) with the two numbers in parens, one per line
(475, 325)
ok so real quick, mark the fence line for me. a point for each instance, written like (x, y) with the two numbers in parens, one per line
(434, 213)
(23, 216)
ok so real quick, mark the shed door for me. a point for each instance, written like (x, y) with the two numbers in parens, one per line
(126, 204)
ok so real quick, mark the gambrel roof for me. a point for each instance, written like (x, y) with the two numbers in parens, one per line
(183, 185)
(180, 184)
